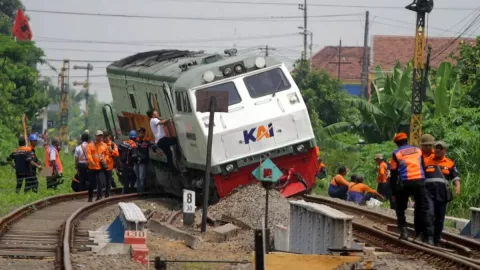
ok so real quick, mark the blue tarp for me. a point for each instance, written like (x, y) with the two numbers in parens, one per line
(352, 89)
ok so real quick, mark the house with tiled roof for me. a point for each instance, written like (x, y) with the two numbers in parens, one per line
(384, 52)
(350, 63)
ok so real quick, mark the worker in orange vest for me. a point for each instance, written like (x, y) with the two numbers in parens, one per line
(23, 161)
(54, 164)
(111, 154)
(97, 167)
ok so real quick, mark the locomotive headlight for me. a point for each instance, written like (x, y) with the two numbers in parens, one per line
(260, 62)
(293, 98)
(208, 76)
(227, 72)
(229, 168)
(238, 69)
(300, 148)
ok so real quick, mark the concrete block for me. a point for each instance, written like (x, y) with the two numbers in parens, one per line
(114, 249)
(281, 238)
(172, 232)
(410, 212)
(116, 230)
(369, 250)
(140, 254)
(475, 221)
(225, 232)
(135, 237)
(314, 228)
(460, 223)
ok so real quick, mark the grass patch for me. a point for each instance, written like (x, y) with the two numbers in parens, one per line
(9, 200)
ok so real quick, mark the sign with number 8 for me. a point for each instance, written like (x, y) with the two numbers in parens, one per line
(188, 201)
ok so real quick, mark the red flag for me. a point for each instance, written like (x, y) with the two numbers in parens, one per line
(21, 29)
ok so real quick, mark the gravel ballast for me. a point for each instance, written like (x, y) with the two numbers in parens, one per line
(247, 204)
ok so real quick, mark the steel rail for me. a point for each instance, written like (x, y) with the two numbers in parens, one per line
(455, 241)
(393, 244)
(68, 237)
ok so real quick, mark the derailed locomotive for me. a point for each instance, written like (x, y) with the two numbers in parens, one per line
(267, 118)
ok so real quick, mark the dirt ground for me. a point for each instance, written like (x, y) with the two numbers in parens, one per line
(24, 264)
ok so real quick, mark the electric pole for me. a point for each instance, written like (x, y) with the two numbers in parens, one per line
(311, 49)
(63, 85)
(339, 58)
(304, 8)
(267, 49)
(86, 85)
(366, 60)
(340, 62)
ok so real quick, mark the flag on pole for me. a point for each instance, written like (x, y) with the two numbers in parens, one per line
(21, 29)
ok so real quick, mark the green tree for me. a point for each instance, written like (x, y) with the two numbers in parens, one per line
(468, 69)
(21, 93)
(8, 10)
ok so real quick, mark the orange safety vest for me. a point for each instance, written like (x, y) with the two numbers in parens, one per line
(408, 160)
(110, 155)
(95, 153)
(382, 173)
(58, 163)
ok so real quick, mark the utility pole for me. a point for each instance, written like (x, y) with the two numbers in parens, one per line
(311, 49)
(339, 58)
(366, 60)
(340, 62)
(267, 49)
(63, 84)
(85, 84)
(304, 8)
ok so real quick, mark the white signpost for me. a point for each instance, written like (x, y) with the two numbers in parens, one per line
(188, 207)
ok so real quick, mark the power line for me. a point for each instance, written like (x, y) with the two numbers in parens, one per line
(312, 5)
(50, 39)
(270, 18)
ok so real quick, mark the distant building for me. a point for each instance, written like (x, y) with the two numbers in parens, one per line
(350, 65)
(384, 52)
(47, 118)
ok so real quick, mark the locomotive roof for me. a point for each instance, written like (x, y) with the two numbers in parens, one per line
(164, 65)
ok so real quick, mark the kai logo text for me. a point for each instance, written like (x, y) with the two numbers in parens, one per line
(258, 133)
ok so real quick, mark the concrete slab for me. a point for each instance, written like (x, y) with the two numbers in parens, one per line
(114, 249)
(369, 250)
(169, 231)
(281, 238)
(225, 232)
(460, 223)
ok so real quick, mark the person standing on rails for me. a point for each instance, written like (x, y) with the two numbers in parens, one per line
(23, 161)
(438, 171)
(33, 138)
(338, 187)
(81, 161)
(408, 179)
(163, 142)
(426, 142)
(127, 150)
(52, 158)
(143, 157)
(111, 154)
(97, 167)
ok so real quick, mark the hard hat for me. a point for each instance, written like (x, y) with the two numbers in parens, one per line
(132, 134)
(441, 143)
(427, 139)
(400, 137)
(33, 137)
(378, 156)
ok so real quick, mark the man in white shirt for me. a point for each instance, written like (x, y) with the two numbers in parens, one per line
(81, 161)
(163, 142)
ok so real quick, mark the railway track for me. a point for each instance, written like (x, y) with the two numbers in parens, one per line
(391, 243)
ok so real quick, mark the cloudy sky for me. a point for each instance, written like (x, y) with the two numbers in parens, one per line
(214, 25)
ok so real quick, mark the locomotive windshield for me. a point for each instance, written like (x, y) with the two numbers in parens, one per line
(233, 96)
(266, 83)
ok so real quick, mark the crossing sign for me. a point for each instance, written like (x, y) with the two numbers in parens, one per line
(267, 172)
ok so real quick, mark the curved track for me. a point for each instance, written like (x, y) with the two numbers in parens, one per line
(444, 260)
(35, 230)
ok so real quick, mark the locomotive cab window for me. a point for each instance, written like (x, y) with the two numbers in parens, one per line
(132, 100)
(266, 83)
(182, 102)
(233, 96)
